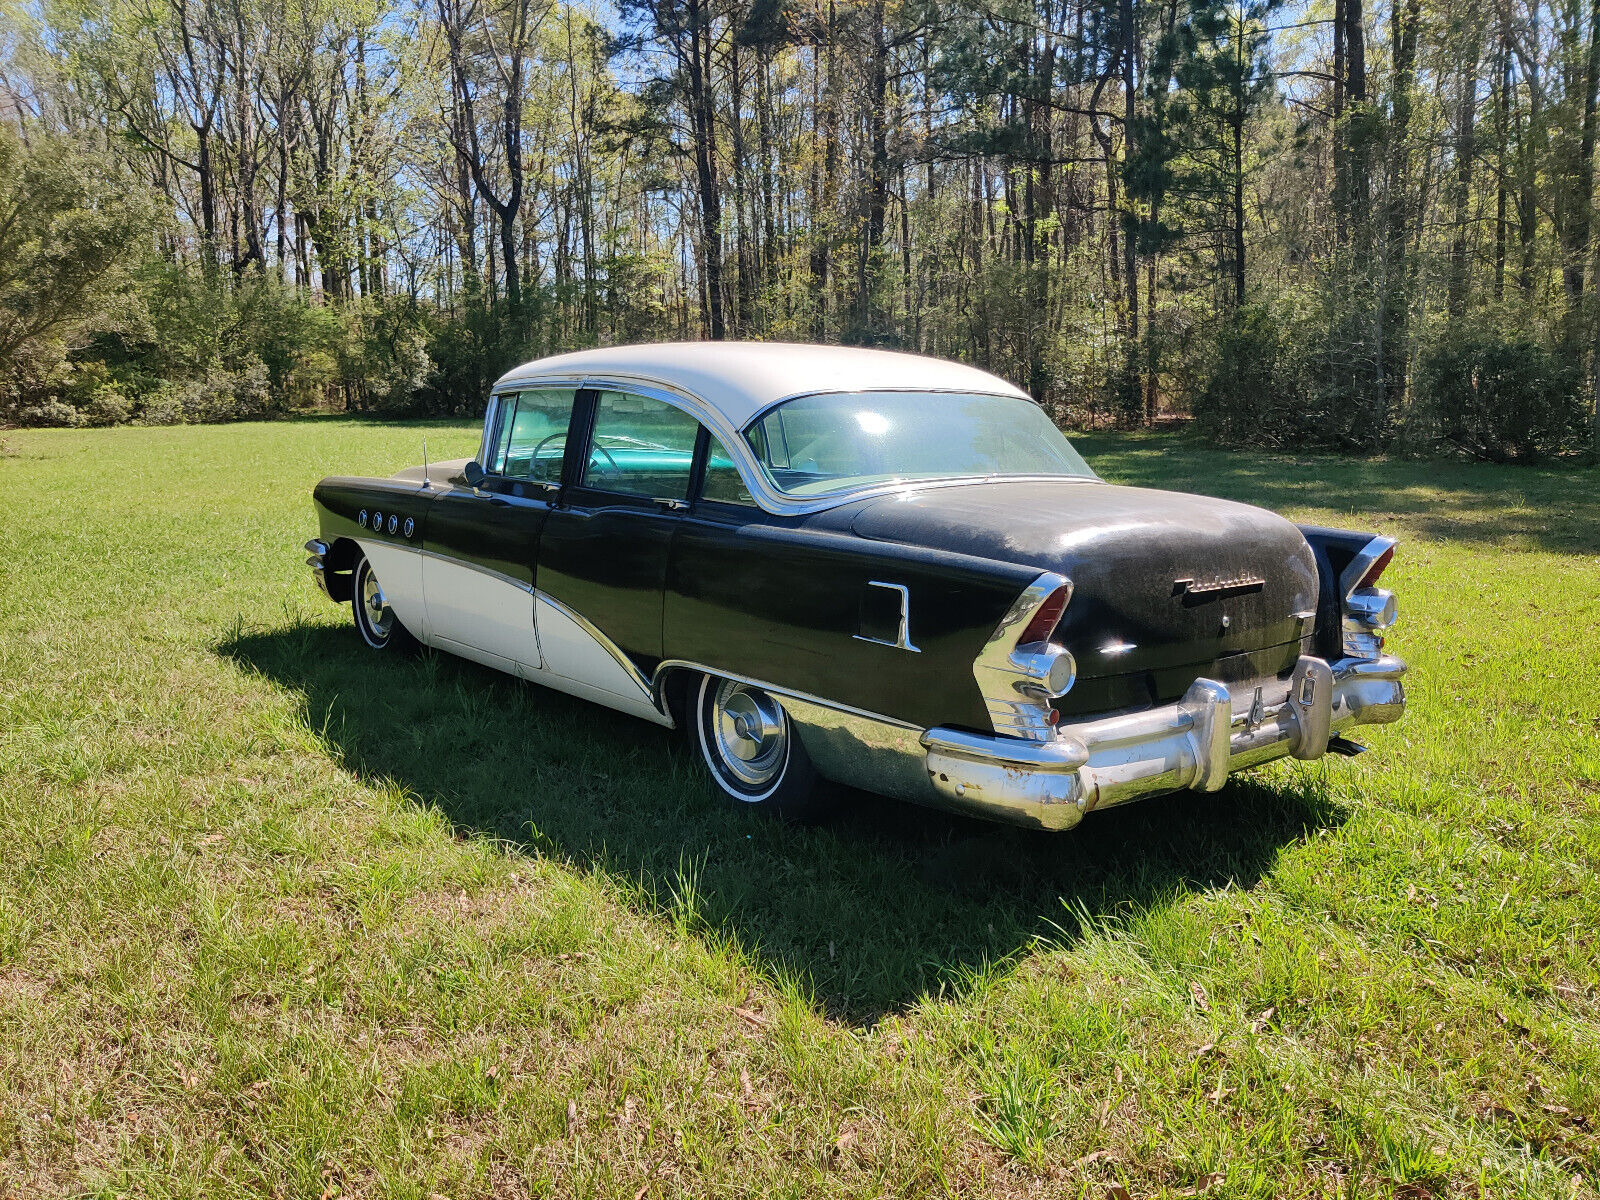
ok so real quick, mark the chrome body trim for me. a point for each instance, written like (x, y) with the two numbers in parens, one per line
(1015, 680)
(1362, 563)
(1193, 744)
(902, 639)
(1196, 744)
(646, 688)
(668, 665)
(317, 551)
(490, 572)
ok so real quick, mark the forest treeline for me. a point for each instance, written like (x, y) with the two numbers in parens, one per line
(1316, 225)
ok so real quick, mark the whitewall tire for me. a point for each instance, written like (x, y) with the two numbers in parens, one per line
(376, 621)
(753, 751)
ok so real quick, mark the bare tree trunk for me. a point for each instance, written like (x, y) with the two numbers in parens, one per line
(1461, 190)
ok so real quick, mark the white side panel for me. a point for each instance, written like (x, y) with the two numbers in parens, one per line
(631, 705)
(479, 656)
(578, 660)
(488, 613)
(399, 571)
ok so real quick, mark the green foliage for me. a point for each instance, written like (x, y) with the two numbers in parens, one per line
(1502, 399)
(1255, 392)
(66, 220)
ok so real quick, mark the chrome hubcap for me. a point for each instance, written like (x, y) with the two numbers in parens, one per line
(750, 732)
(379, 616)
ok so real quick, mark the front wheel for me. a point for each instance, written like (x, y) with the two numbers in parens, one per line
(751, 749)
(375, 620)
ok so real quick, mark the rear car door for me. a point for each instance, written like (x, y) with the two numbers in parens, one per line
(478, 574)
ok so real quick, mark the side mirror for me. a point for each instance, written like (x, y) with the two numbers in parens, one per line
(473, 473)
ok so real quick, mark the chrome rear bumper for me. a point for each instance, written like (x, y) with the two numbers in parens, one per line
(1195, 743)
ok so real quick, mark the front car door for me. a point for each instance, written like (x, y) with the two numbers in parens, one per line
(481, 548)
(602, 560)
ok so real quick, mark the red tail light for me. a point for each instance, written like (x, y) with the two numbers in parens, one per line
(1043, 622)
(1377, 568)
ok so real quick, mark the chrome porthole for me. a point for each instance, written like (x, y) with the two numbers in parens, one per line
(411, 526)
(394, 522)
(361, 519)
(749, 733)
(377, 522)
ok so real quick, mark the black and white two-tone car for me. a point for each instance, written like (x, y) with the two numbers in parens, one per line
(850, 566)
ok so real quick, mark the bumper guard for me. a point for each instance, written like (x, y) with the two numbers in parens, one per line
(1195, 743)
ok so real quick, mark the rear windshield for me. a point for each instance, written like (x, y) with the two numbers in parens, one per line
(840, 441)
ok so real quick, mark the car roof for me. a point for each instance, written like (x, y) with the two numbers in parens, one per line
(740, 379)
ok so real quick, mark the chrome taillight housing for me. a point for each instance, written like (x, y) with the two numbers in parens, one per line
(1368, 611)
(1020, 670)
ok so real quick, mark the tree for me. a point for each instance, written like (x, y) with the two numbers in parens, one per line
(66, 222)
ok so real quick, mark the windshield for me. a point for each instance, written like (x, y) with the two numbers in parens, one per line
(818, 445)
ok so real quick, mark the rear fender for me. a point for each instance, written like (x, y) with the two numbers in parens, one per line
(1335, 550)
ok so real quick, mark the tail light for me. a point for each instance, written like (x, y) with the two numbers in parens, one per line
(1020, 671)
(1048, 615)
(1368, 610)
(1378, 567)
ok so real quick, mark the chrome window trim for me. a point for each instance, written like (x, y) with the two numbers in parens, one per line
(491, 414)
(768, 498)
(491, 417)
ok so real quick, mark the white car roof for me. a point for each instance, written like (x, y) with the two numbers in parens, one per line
(740, 379)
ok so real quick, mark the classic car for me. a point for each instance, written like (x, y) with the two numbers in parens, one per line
(854, 567)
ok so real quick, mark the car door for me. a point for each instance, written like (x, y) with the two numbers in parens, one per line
(603, 552)
(479, 572)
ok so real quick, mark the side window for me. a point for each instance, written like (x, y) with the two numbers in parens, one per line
(532, 436)
(641, 447)
(723, 483)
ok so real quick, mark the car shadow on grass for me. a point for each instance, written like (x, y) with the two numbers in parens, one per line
(870, 911)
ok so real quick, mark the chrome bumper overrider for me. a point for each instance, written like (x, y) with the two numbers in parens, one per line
(1195, 743)
(318, 552)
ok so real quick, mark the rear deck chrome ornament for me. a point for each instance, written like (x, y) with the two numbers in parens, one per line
(1217, 589)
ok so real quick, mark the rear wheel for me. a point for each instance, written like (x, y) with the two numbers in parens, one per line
(751, 749)
(376, 622)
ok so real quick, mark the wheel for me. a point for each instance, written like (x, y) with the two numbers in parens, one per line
(375, 620)
(753, 753)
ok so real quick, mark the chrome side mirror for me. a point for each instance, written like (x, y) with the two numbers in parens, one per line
(474, 473)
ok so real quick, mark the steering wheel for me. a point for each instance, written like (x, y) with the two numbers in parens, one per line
(533, 462)
(612, 462)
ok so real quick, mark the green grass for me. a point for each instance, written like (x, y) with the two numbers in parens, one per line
(276, 919)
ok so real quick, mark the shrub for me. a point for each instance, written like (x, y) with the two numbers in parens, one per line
(1254, 393)
(1502, 399)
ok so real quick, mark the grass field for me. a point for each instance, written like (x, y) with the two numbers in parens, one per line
(276, 919)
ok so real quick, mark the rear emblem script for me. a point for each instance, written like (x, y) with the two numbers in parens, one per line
(1199, 592)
